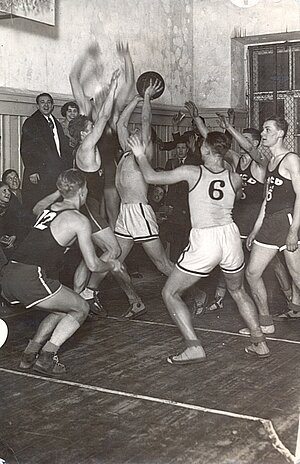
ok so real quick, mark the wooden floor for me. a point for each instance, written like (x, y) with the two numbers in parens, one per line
(121, 402)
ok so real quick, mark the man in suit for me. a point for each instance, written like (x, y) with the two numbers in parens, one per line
(44, 150)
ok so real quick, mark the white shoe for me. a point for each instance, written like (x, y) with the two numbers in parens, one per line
(266, 329)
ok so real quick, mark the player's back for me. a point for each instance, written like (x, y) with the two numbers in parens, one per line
(211, 199)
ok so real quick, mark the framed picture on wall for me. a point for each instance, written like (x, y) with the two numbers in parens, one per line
(42, 11)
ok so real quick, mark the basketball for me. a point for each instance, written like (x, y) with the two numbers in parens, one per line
(144, 81)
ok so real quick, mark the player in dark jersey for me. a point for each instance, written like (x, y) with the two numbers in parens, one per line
(277, 227)
(214, 240)
(30, 277)
(251, 165)
(88, 159)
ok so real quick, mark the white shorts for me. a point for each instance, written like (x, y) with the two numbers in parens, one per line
(136, 221)
(210, 247)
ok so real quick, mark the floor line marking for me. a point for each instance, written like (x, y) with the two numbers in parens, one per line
(266, 423)
(166, 324)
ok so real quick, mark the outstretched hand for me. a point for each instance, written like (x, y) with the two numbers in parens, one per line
(192, 109)
(114, 79)
(223, 121)
(177, 118)
(153, 88)
(137, 147)
(122, 49)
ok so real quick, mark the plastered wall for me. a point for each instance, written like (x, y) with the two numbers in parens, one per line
(187, 41)
(216, 82)
(35, 56)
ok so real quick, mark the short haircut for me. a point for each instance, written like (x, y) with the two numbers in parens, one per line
(255, 133)
(69, 182)
(280, 122)
(66, 106)
(185, 137)
(7, 172)
(44, 94)
(218, 142)
(77, 125)
(2, 184)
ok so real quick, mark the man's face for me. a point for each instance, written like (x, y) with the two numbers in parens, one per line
(250, 139)
(84, 192)
(71, 113)
(181, 150)
(13, 180)
(157, 194)
(45, 105)
(5, 195)
(270, 134)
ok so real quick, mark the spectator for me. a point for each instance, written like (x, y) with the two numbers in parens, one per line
(12, 179)
(177, 197)
(15, 221)
(45, 151)
(69, 111)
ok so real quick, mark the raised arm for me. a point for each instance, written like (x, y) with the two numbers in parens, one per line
(150, 175)
(125, 90)
(123, 121)
(194, 113)
(150, 91)
(103, 116)
(84, 102)
(243, 141)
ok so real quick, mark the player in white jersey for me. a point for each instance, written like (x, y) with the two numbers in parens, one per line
(214, 240)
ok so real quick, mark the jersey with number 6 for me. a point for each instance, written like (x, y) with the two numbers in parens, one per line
(211, 199)
(40, 247)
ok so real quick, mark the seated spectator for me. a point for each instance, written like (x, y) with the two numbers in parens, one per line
(12, 179)
(69, 111)
(15, 220)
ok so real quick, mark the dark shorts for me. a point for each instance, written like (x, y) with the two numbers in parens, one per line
(91, 210)
(245, 217)
(27, 284)
(274, 230)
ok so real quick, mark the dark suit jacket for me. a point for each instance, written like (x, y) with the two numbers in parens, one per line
(40, 155)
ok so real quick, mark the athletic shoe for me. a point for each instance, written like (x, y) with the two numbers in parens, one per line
(28, 360)
(96, 307)
(216, 304)
(48, 363)
(135, 310)
(266, 329)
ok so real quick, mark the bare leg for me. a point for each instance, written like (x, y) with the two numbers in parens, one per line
(260, 257)
(112, 203)
(282, 277)
(68, 312)
(293, 264)
(177, 283)
(157, 254)
(107, 241)
(247, 309)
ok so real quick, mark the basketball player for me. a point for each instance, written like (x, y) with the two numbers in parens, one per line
(136, 221)
(30, 277)
(277, 227)
(214, 240)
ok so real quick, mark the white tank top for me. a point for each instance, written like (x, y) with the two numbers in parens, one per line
(211, 199)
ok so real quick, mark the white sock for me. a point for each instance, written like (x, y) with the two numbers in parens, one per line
(87, 293)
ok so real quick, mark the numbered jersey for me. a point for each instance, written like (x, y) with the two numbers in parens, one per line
(211, 199)
(280, 192)
(253, 190)
(40, 247)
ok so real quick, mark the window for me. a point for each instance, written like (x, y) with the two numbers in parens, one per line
(275, 86)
